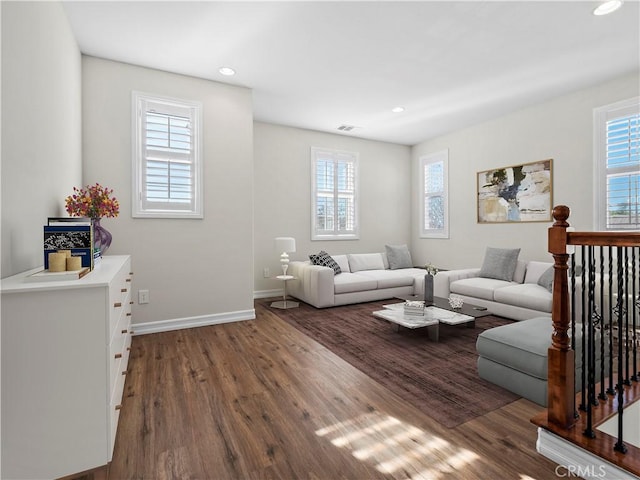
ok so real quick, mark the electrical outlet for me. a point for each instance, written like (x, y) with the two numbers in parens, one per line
(266, 273)
(143, 296)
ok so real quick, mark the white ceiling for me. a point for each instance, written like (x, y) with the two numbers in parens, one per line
(319, 65)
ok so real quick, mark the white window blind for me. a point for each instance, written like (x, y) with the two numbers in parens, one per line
(334, 191)
(618, 166)
(434, 201)
(167, 159)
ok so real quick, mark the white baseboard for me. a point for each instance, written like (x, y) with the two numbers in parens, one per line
(267, 293)
(191, 322)
(576, 462)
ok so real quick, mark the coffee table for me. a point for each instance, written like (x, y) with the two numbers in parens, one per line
(431, 320)
(470, 309)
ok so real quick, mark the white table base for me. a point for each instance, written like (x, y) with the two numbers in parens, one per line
(284, 303)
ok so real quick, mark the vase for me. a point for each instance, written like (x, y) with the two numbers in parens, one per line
(101, 237)
(428, 289)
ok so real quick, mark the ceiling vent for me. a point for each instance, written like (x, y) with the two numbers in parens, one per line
(346, 128)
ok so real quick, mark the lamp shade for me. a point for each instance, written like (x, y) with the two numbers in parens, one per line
(285, 244)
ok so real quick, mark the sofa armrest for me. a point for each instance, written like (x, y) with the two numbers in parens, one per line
(313, 284)
(443, 280)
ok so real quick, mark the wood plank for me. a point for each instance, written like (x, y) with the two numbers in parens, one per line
(260, 399)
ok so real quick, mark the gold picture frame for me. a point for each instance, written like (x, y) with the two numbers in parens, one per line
(515, 194)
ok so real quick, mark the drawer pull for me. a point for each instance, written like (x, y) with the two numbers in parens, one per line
(128, 280)
(128, 314)
(130, 273)
(123, 290)
(132, 332)
(124, 372)
(131, 302)
(118, 407)
(118, 355)
(117, 304)
(124, 331)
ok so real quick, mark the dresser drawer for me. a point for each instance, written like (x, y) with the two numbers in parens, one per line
(120, 294)
(119, 350)
(113, 427)
(119, 379)
(120, 318)
(115, 403)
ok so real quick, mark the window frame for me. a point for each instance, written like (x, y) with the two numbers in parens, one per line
(336, 155)
(170, 105)
(601, 116)
(424, 161)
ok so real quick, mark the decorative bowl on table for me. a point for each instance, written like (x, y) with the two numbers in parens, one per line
(455, 301)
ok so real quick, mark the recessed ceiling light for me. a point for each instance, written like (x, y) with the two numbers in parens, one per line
(227, 71)
(607, 7)
(397, 109)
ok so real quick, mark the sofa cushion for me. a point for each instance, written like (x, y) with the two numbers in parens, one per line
(398, 256)
(535, 270)
(525, 295)
(324, 260)
(521, 269)
(478, 287)
(352, 282)
(522, 345)
(385, 260)
(365, 261)
(546, 279)
(392, 278)
(500, 263)
(342, 261)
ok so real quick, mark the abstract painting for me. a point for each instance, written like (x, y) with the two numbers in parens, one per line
(520, 193)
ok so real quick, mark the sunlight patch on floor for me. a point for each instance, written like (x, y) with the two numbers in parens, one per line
(630, 422)
(397, 447)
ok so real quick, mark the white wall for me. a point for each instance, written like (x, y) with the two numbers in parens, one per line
(282, 171)
(561, 129)
(41, 128)
(192, 268)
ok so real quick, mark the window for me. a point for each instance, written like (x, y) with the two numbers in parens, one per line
(434, 201)
(167, 157)
(617, 166)
(334, 202)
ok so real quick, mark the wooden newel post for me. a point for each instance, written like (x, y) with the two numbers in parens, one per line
(561, 358)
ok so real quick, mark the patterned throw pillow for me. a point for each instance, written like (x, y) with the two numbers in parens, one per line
(325, 260)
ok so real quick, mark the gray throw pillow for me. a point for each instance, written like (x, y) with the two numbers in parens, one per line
(546, 279)
(500, 263)
(325, 260)
(398, 256)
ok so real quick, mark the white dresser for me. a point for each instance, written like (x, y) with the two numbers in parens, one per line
(65, 348)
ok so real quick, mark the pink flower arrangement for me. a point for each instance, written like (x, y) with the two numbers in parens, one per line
(93, 201)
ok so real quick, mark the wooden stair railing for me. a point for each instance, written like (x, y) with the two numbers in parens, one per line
(561, 358)
(561, 416)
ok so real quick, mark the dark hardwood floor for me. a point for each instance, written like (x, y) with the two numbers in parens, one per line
(258, 399)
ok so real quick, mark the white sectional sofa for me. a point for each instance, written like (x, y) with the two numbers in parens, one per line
(364, 277)
(521, 298)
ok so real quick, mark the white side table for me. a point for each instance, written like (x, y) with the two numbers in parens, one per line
(284, 303)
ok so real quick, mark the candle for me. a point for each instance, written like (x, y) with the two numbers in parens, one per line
(67, 253)
(57, 262)
(74, 263)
